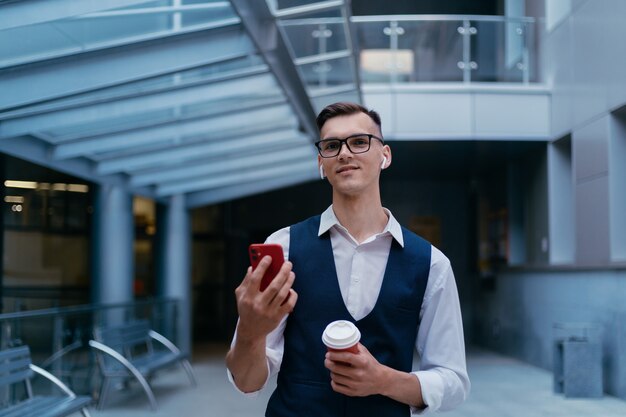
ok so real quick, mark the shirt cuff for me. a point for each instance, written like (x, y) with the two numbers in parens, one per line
(251, 394)
(432, 392)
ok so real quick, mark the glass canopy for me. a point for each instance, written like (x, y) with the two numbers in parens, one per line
(169, 97)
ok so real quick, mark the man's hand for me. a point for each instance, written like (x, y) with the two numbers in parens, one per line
(355, 375)
(261, 312)
(359, 375)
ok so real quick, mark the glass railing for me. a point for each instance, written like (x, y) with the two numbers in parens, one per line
(58, 337)
(416, 48)
(426, 48)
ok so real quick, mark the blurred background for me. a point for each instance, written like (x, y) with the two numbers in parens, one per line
(145, 144)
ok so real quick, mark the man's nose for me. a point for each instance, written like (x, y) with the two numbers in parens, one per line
(344, 150)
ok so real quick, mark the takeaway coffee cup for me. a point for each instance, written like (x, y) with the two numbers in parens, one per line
(341, 335)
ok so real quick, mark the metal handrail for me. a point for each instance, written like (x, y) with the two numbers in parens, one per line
(76, 323)
(443, 17)
(410, 18)
(85, 308)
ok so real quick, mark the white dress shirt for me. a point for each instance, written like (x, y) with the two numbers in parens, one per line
(360, 270)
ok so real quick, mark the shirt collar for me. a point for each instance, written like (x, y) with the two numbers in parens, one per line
(328, 220)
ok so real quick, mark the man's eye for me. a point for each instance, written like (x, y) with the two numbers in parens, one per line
(359, 141)
(331, 145)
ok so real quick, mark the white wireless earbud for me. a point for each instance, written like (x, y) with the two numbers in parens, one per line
(322, 176)
(384, 163)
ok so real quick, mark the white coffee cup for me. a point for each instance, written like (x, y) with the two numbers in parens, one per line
(341, 335)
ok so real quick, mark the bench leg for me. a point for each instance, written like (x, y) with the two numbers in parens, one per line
(85, 412)
(147, 389)
(104, 392)
(190, 374)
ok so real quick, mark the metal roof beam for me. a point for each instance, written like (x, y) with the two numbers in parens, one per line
(296, 11)
(79, 73)
(36, 151)
(158, 10)
(239, 177)
(259, 22)
(163, 133)
(23, 13)
(171, 97)
(183, 154)
(217, 167)
(218, 195)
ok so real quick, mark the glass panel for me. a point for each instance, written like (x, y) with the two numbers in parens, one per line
(315, 36)
(429, 51)
(241, 101)
(372, 40)
(326, 73)
(426, 51)
(106, 125)
(204, 73)
(82, 33)
(500, 51)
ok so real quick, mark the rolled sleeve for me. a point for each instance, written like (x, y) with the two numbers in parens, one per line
(274, 349)
(443, 373)
(252, 394)
(432, 391)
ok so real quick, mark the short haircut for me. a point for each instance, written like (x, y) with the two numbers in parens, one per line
(345, 108)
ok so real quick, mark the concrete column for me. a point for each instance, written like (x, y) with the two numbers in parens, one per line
(590, 162)
(112, 250)
(617, 191)
(174, 263)
(561, 206)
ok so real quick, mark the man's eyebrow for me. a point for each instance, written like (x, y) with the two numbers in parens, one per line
(350, 135)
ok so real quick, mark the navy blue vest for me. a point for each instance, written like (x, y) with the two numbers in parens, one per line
(388, 332)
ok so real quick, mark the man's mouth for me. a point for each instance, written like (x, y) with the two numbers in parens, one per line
(346, 168)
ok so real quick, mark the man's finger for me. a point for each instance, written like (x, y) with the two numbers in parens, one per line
(256, 275)
(281, 278)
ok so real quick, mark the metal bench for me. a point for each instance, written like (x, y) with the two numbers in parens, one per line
(16, 368)
(127, 350)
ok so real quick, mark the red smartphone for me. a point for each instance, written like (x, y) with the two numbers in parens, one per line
(258, 250)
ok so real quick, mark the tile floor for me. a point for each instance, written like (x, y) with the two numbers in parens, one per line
(501, 387)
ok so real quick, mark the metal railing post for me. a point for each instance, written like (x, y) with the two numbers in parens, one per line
(525, 55)
(467, 65)
(393, 31)
(57, 342)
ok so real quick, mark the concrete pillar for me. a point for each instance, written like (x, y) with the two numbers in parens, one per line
(174, 263)
(561, 206)
(112, 246)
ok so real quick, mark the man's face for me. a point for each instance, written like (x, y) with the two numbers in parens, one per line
(348, 173)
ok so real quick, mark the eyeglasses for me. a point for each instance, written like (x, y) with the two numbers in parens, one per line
(359, 143)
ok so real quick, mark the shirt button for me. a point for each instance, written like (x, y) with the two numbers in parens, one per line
(356, 279)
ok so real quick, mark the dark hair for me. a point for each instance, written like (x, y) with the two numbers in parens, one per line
(344, 108)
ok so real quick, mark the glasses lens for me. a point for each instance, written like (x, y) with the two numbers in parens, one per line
(359, 144)
(329, 147)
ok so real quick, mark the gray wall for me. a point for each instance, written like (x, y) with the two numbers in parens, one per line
(518, 315)
(584, 59)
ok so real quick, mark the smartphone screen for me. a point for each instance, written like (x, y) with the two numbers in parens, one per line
(258, 250)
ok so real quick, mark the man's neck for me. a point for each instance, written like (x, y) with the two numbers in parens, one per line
(363, 217)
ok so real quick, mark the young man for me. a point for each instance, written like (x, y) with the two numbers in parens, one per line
(354, 262)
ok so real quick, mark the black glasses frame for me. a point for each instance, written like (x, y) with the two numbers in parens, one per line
(345, 142)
